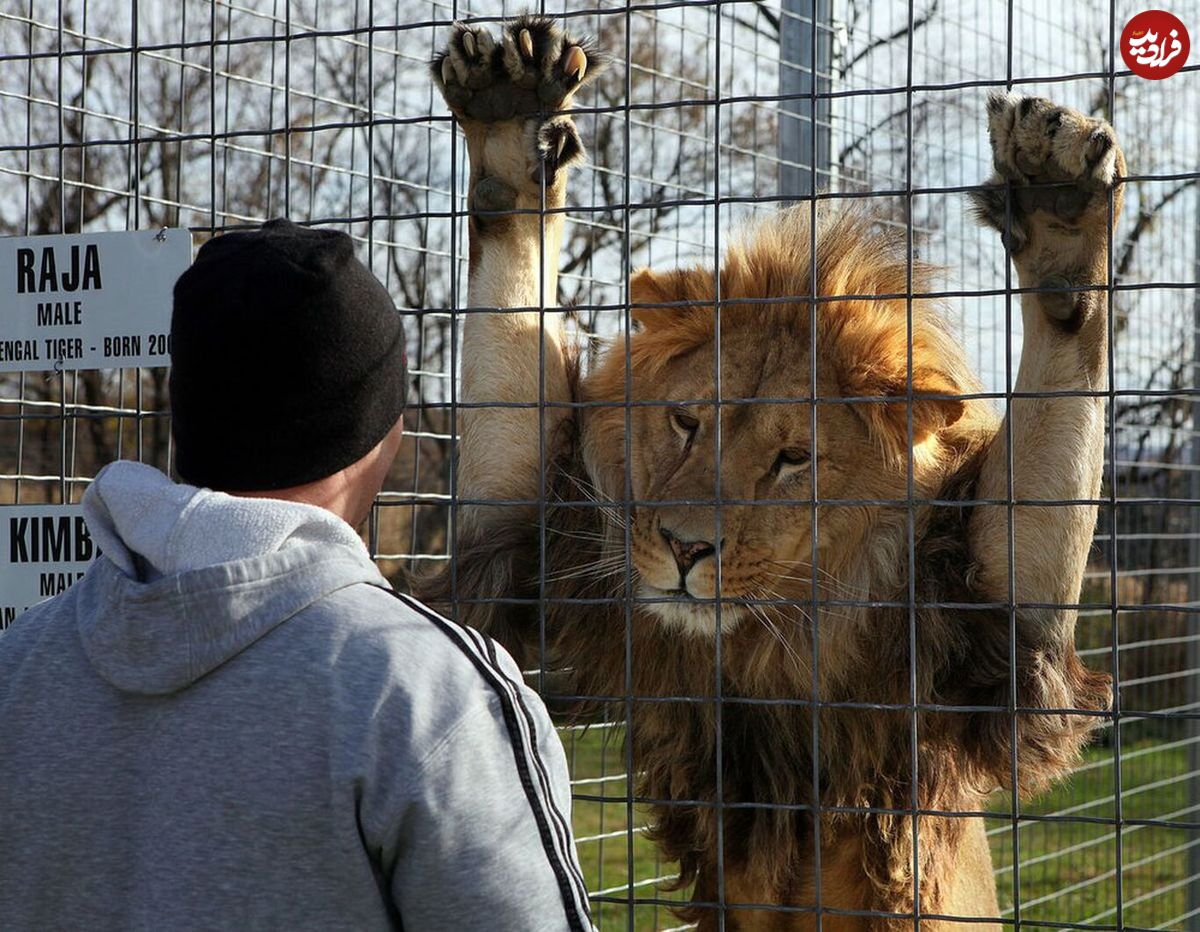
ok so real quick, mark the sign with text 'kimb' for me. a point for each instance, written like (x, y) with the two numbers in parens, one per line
(89, 300)
(45, 548)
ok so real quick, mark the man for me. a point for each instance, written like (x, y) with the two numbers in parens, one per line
(232, 721)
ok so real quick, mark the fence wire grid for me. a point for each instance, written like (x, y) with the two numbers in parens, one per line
(220, 114)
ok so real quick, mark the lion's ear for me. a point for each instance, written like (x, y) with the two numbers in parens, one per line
(875, 364)
(933, 406)
(659, 299)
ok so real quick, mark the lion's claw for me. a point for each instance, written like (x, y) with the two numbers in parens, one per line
(558, 145)
(469, 56)
(575, 63)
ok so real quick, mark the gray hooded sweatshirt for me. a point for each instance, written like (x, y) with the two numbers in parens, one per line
(231, 722)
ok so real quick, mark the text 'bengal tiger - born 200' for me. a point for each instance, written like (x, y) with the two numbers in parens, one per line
(1055, 187)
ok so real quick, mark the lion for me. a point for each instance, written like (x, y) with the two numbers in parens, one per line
(826, 675)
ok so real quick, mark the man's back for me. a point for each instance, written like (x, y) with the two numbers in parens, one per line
(245, 729)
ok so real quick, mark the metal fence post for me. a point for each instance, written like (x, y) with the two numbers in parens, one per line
(1193, 645)
(800, 174)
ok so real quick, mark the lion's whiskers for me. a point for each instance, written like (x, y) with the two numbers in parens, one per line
(598, 569)
(591, 536)
(606, 505)
(759, 613)
(830, 590)
(798, 605)
(805, 564)
(826, 579)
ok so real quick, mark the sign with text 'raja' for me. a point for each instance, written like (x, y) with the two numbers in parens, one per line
(89, 300)
(45, 548)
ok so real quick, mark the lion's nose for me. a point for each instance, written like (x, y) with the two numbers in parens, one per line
(687, 553)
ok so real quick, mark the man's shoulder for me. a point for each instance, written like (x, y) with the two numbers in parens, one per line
(381, 627)
(50, 618)
(375, 611)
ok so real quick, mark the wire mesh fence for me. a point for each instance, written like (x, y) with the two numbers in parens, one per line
(219, 115)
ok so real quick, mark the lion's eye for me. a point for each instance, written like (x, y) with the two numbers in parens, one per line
(791, 457)
(683, 423)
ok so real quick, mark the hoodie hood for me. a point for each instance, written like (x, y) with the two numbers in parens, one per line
(189, 577)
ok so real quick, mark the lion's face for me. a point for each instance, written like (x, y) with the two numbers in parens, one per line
(769, 458)
(778, 450)
(768, 455)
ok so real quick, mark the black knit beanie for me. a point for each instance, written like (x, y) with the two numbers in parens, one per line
(287, 360)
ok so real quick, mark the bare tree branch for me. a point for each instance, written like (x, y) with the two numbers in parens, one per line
(900, 33)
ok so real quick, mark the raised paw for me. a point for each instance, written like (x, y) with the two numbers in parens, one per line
(1055, 196)
(1035, 140)
(1050, 159)
(533, 68)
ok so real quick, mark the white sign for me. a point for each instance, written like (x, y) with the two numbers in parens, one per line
(43, 549)
(89, 300)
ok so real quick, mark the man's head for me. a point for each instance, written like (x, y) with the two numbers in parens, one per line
(287, 362)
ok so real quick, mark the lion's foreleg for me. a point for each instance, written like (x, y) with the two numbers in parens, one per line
(1057, 455)
(515, 357)
(1059, 193)
(1059, 241)
(511, 96)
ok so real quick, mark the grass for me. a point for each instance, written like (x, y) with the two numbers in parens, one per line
(1068, 866)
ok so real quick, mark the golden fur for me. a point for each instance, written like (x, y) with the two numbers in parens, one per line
(891, 724)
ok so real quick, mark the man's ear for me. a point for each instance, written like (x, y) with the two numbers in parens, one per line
(659, 299)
